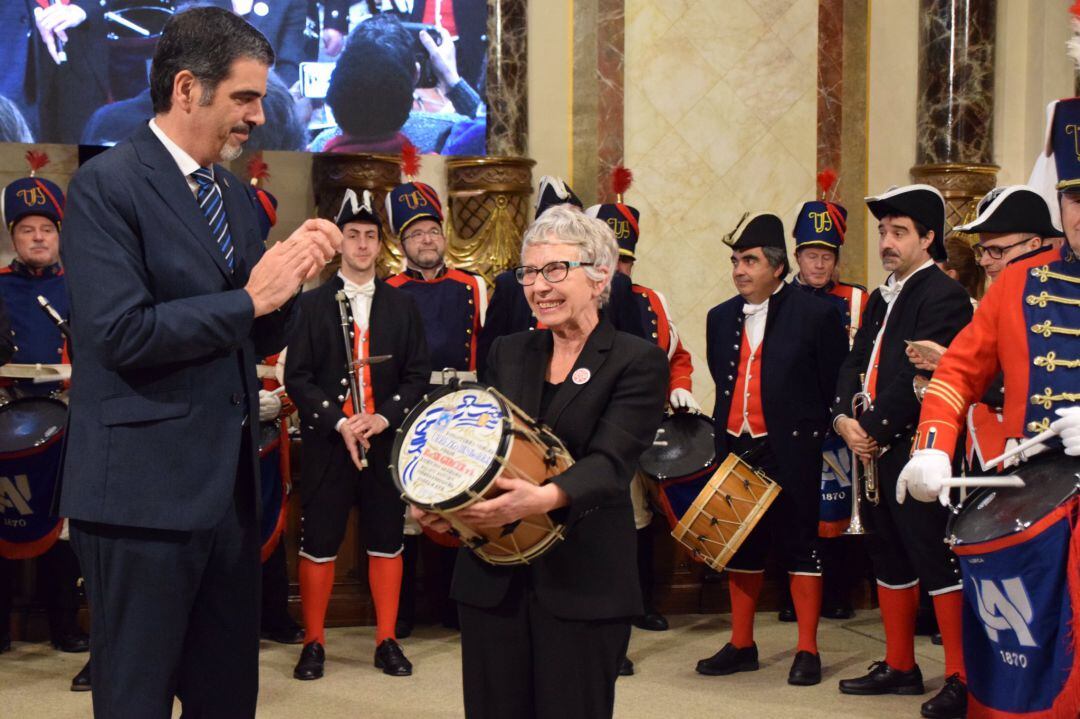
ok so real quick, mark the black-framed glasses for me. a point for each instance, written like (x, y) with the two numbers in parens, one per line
(434, 232)
(553, 271)
(996, 253)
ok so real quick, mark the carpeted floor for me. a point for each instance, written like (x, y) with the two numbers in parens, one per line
(34, 679)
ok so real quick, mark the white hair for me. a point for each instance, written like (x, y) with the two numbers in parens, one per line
(568, 225)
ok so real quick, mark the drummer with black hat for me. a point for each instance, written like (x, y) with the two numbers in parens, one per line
(386, 326)
(1026, 326)
(773, 353)
(917, 302)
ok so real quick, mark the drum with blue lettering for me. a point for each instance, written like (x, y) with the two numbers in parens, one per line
(835, 510)
(680, 462)
(274, 476)
(31, 431)
(1019, 551)
(453, 446)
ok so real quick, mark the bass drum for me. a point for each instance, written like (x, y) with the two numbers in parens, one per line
(679, 463)
(1019, 552)
(31, 433)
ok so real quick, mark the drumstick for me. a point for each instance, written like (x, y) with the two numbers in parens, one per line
(121, 20)
(1010, 480)
(1022, 447)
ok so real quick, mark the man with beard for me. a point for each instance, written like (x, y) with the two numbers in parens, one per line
(173, 300)
(920, 302)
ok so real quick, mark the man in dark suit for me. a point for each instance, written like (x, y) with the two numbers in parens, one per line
(385, 322)
(774, 353)
(172, 301)
(917, 302)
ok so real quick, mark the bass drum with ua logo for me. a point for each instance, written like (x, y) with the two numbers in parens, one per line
(1019, 552)
(31, 431)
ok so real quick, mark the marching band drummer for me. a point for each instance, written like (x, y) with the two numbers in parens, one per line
(1025, 327)
(33, 210)
(918, 301)
(774, 353)
(545, 640)
(385, 321)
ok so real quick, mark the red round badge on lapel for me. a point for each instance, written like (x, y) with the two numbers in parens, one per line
(581, 375)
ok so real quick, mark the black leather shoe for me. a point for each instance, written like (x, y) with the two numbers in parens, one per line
(626, 667)
(787, 614)
(653, 622)
(312, 659)
(72, 643)
(950, 702)
(805, 670)
(838, 613)
(936, 639)
(392, 661)
(291, 633)
(883, 679)
(403, 629)
(729, 660)
(81, 682)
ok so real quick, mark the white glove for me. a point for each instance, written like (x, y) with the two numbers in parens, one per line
(682, 399)
(1068, 428)
(922, 477)
(269, 406)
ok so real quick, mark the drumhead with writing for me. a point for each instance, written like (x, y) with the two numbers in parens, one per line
(450, 446)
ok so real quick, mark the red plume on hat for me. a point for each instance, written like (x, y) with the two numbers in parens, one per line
(257, 169)
(826, 180)
(36, 160)
(622, 178)
(410, 160)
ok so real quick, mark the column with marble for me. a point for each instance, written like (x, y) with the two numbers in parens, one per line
(507, 78)
(955, 115)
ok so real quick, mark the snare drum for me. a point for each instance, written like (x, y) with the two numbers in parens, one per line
(725, 512)
(1019, 551)
(31, 429)
(679, 462)
(452, 447)
(274, 479)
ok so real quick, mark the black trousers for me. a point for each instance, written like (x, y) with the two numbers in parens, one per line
(57, 589)
(275, 591)
(907, 541)
(175, 613)
(519, 660)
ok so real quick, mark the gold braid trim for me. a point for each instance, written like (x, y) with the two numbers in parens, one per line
(1045, 297)
(1047, 328)
(1051, 362)
(1047, 399)
(1044, 274)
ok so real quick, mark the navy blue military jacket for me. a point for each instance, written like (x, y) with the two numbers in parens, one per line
(802, 350)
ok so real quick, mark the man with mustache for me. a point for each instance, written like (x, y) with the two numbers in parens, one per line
(173, 300)
(917, 301)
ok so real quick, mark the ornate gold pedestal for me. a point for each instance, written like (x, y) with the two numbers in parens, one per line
(488, 211)
(332, 174)
(963, 185)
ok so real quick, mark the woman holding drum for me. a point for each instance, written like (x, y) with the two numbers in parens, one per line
(545, 639)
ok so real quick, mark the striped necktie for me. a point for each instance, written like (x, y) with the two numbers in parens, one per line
(213, 208)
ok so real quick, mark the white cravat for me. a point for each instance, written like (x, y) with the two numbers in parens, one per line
(889, 292)
(359, 299)
(756, 315)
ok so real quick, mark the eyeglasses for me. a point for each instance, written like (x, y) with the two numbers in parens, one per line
(434, 233)
(553, 271)
(996, 253)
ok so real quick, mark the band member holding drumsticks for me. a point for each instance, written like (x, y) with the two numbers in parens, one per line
(652, 308)
(173, 301)
(33, 211)
(545, 639)
(774, 354)
(918, 301)
(1026, 326)
(385, 321)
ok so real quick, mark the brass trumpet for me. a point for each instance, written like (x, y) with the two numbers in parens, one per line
(920, 384)
(863, 476)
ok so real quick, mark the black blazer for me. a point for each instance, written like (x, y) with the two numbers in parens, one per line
(803, 347)
(931, 306)
(315, 371)
(166, 339)
(605, 423)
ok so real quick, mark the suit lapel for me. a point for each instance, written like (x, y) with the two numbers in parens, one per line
(236, 215)
(172, 187)
(775, 303)
(534, 370)
(592, 358)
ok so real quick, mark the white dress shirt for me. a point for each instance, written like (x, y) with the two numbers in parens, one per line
(183, 160)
